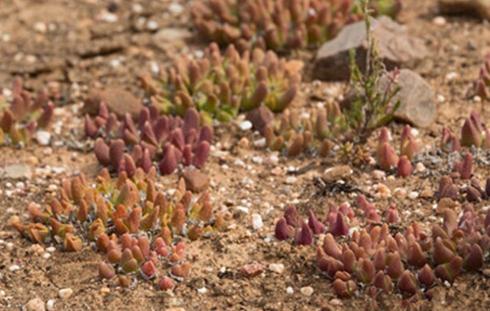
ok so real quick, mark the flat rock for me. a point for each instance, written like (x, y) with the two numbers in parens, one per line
(171, 38)
(16, 171)
(35, 304)
(196, 181)
(395, 47)
(477, 8)
(118, 100)
(416, 96)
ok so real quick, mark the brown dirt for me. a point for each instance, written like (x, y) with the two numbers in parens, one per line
(65, 43)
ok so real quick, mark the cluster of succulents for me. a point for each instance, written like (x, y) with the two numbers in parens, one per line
(23, 115)
(379, 260)
(277, 25)
(483, 82)
(472, 192)
(473, 133)
(222, 85)
(124, 145)
(386, 156)
(133, 222)
(296, 133)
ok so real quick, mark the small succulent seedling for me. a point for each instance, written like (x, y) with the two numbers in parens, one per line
(23, 115)
(386, 156)
(483, 82)
(277, 25)
(138, 227)
(124, 145)
(220, 85)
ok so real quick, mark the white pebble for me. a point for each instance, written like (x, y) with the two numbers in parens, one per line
(175, 8)
(307, 291)
(257, 223)
(450, 76)
(413, 195)
(35, 304)
(50, 304)
(43, 137)
(290, 290)
(420, 167)
(260, 143)
(13, 268)
(202, 290)
(65, 293)
(245, 125)
(276, 267)
(291, 180)
(439, 21)
(51, 249)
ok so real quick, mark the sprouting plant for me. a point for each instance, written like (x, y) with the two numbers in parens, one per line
(372, 106)
(23, 115)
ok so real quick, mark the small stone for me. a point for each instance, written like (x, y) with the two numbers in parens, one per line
(117, 99)
(35, 304)
(413, 195)
(176, 8)
(50, 304)
(416, 97)
(307, 291)
(16, 171)
(65, 293)
(289, 290)
(378, 174)
(486, 272)
(276, 267)
(252, 269)
(195, 180)
(43, 137)
(168, 37)
(202, 290)
(291, 180)
(14, 268)
(257, 223)
(439, 21)
(337, 172)
(395, 46)
(260, 118)
(245, 125)
(105, 291)
(420, 167)
(260, 143)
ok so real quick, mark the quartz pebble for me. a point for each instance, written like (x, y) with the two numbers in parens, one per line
(65, 293)
(307, 291)
(289, 290)
(50, 304)
(245, 125)
(35, 304)
(276, 267)
(43, 137)
(257, 223)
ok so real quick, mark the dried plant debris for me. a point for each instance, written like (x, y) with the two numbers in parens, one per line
(153, 140)
(23, 115)
(282, 25)
(139, 228)
(220, 85)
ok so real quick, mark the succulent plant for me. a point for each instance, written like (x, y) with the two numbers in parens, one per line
(279, 25)
(386, 156)
(483, 82)
(220, 85)
(475, 133)
(378, 260)
(131, 221)
(23, 115)
(123, 145)
(295, 133)
(473, 190)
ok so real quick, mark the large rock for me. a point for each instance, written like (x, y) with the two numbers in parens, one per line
(118, 100)
(417, 103)
(479, 8)
(395, 47)
(196, 181)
